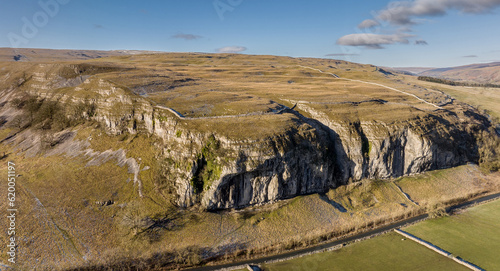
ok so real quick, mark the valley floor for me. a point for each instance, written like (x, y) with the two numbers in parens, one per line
(470, 235)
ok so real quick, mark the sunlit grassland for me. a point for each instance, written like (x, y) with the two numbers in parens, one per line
(386, 252)
(213, 85)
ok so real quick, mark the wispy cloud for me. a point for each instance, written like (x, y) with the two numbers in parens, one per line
(421, 42)
(186, 36)
(373, 41)
(470, 56)
(231, 49)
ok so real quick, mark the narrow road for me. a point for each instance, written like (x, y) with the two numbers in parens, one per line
(326, 246)
(5, 266)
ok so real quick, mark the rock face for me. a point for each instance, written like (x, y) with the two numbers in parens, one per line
(302, 162)
(331, 157)
(376, 150)
(314, 155)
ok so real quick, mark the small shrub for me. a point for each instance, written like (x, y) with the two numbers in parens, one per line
(436, 210)
(188, 256)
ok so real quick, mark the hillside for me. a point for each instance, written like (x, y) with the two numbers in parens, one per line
(50, 55)
(205, 155)
(412, 70)
(487, 73)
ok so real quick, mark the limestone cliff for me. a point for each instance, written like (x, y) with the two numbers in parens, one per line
(313, 155)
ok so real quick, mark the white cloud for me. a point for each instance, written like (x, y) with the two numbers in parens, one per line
(404, 14)
(231, 49)
(373, 41)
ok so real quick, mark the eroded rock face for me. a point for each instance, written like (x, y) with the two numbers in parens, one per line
(324, 163)
(302, 163)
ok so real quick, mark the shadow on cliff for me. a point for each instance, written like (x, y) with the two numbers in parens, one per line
(456, 146)
(235, 191)
(343, 165)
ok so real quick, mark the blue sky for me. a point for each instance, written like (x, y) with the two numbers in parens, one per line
(449, 32)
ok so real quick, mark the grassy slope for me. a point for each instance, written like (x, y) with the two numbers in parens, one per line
(62, 221)
(473, 235)
(481, 73)
(387, 252)
(436, 186)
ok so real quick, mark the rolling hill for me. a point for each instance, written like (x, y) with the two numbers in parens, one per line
(480, 73)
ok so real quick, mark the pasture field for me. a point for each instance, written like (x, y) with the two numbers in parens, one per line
(386, 252)
(473, 235)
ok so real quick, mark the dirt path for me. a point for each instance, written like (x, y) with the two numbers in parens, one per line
(375, 84)
(311, 68)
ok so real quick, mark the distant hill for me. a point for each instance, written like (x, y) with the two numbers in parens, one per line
(50, 55)
(412, 70)
(482, 73)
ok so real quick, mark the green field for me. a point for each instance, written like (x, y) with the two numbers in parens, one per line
(473, 235)
(386, 252)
